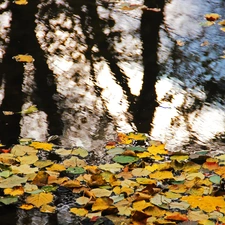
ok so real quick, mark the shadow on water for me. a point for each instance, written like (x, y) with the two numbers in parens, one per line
(99, 69)
(23, 40)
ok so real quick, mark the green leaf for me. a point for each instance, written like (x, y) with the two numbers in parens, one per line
(137, 149)
(75, 170)
(215, 179)
(49, 188)
(8, 200)
(6, 173)
(123, 159)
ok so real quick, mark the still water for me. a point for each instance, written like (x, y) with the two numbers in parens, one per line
(105, 67)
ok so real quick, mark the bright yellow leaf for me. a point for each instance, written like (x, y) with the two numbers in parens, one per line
(157, 150)
(140, 205)
(27, 206)
(21, 2)
(212, 16)
(206, 203)
(161, 175)
(56, 167)
(42, 145)
(123, 139)
(23, 58)
(101, 204)
(16, 191)
(143, 180)
(39, 199)
(79, 211)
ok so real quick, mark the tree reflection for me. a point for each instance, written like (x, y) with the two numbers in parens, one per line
(22, 40)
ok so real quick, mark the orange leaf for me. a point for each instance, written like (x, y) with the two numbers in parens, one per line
(101, 204)
(176, 216)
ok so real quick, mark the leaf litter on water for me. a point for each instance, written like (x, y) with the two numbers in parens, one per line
(144, 181)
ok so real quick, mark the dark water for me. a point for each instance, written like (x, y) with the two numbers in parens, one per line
(99, 69)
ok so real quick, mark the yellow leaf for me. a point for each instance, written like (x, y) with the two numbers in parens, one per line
(123, 139)
(79, 211)
(16, 191)
(42, 145)
(21, 2)
(222, 23)
(127, 190)
(56, 167)
(137, 136)
(223, 29)
(140, 205)
(23, 58)
(179, 158)
(144, 155)
(143, 180)
(47, 209)
(158, 166)
(27, 206)
(155, 211)
(157, 149)
(206, 203)
(212, 16)
(161, 175)
(30, 110)
(101, 204)
(40, 199)
(71, 184)
(178, 188)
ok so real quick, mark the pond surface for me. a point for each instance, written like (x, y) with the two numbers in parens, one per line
(100, 68)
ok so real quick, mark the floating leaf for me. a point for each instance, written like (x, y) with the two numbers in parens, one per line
(42, 145)
(98, 192)
(20, 150)
(8, 200)
(43, 163)
(21, 2)
(12, 181)
(29, 110)
(140, 205)
(215, 179)
(47, 209)
(80, 151)
(101, 204)
(212, 16)
(28, 159)
(115, 167)
(124, 159)
(161, 175)
(16, 191)
(39, 199)
(79, 211)
(115, 151)
(27, 206)
(6, 173)
(75, 170)
(82, 200)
